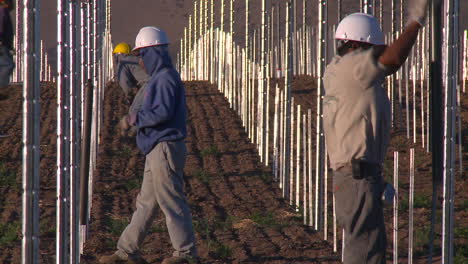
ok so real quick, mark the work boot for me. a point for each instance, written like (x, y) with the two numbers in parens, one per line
(114, 259)
(181, 260)
(111, 259)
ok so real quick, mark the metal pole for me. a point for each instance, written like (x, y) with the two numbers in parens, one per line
(304, 37)
(41, 54)
(291, 161)
(275, 134)
(278, 39)
(368, 7)
(294, 40)
(423, 72)
(62, 134)
(205, 44)
(321, 52)
(263, 83)
(287, 90)
(190, 41)
(83, 52)
(380, 13)
(435, 71)
(83, 196)
(411, 208)
(451, 9)
(395, 208)
(247, 67)
(46, 67)
(212, 59)
(465, 59)
(74, 125)
(195, 41)
(339, 10)
(304, 167)
(310, 172)
(31, 132)
(298, 156)
(414, 103)
(85, 158)
(232, 54)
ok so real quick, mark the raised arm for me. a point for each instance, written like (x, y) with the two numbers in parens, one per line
(396, 53)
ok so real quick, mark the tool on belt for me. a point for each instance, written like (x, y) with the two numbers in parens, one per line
(362, 169)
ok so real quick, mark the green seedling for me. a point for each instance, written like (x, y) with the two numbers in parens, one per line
(116, 226)
(124, 152)
(46, 229)
(109, 243)
(421, 240)
(8, 178)
(266, 177)
(9, 233)
(388, 170)
(211, 150)
(403, 204)
(265, 219)
(422, 201)
(203, 176)
(158, 228)
(460, 253)
(461, 232)
(203, 227)
(464, 205)
(223, 224)
(133, 183)
(219, 250)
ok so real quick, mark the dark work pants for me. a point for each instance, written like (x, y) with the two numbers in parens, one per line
(6, 66)
(359, 211)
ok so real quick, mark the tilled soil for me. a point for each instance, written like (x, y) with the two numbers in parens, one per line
(11, 105)
(239, 216)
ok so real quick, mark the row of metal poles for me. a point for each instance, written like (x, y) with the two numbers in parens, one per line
(46, 74)
(244, 74)
(84, 65)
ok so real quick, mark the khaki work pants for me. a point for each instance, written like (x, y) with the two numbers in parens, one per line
(359, 211)
(162, 184)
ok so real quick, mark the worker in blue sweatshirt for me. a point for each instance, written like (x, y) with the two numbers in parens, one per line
(161, 123)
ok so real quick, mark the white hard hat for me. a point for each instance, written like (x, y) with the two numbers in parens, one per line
(360, 27)
(150, 36)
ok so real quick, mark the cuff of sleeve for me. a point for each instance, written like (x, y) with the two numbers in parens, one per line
(421, 21)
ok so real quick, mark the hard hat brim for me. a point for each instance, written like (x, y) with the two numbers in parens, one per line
(137, 48)
(377, 44)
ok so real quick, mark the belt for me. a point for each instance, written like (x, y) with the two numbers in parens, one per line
(361, 169)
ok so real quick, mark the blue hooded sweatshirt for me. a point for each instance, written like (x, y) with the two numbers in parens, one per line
(163, 113)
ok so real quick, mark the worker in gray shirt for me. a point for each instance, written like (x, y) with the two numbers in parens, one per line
(130, 75)
(356, 118)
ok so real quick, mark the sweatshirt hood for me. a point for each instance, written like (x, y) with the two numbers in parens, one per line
(155, 58)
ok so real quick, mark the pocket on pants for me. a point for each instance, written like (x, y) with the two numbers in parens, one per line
(345, 189)
(175, 153)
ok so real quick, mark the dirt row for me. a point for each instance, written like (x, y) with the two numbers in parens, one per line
(239, 215)
(11, 105)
